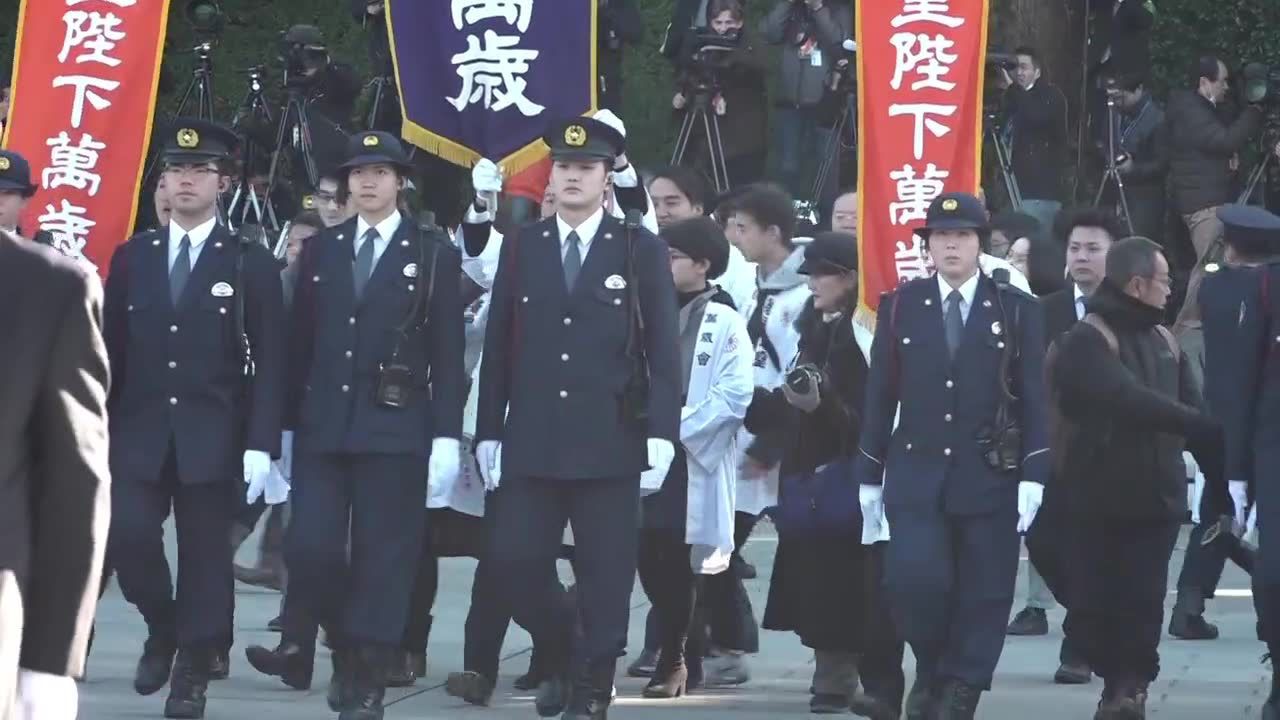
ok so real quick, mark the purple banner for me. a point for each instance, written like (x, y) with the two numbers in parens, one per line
(484, 78)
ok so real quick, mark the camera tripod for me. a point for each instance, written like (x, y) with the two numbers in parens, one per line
(243, 198)
(1112, 173)
(201, 89)
(1005, 160)
(1255, 177)
(383, 92)
(701, 110)
(835, 147)
(295, 125)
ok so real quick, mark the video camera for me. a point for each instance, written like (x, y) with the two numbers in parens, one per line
(713, 54)
(302, 52)
(205, 17)
(1260, 84)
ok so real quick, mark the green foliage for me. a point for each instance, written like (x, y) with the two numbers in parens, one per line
(1239, 31)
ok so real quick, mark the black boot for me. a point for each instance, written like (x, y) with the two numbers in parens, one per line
(220, 664)
(155, 665)
(189, 684)
(289, 661)
(1029, 621)
(552, 695)
(470, 686)
(1187, 619)
(404, 668)
(1072, 669)
(922, 698)
(341, 682)
(372, 665)
(533, 677)
(592, 693)
(959, 701)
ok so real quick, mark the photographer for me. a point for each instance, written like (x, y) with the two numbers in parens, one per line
(1202, 157)
(1035, 113)
(619, 24)
(1143, 161)
(811, 33)
(732, 81)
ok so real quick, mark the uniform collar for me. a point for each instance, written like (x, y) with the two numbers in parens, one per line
(197, 235)
(967, 290)
(386, 229)
(586, 230)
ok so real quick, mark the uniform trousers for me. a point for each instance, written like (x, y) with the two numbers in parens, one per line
(880, 666)
(1119, 578)
(380, 498)
(528, 528)
(1266, 603)
(951, 580)
(200, 613)
(422, 598)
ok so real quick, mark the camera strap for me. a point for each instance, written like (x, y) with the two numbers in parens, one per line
(635, 317)
(241, 329)
(421, 297)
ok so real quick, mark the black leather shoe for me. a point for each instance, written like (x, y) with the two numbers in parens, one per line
(404, 670)
(958, 702)
(471, 687)
(1071, 673)
(922, 698)
(644, 664)
(220, 665)
(369, 672)
(592, 709)
(288, 661)
(275, 624)
(154, 666)
(340, 683)
(188, 686)
(828, 704)
(1192, 627)
(870, 706)
(1029, 621)
(553, 695)
(533, 677)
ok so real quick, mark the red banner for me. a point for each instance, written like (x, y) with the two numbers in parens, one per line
(84, 87)
(920, 77)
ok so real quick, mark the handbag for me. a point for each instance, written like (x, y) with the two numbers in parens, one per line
(822, 501)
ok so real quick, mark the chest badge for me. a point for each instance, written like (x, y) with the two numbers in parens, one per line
(411, 270)
(615, 282)
(996, 329)
(222, 290)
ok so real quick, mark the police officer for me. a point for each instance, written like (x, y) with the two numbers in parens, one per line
(16, 190)
(953, 510)
(185, 403)
(376, 406)
(1238, 301)
(563, 422)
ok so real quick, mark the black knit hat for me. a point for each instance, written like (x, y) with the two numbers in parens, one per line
(701, 238)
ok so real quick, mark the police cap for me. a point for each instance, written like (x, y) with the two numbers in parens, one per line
(956, 211)
(15, 174)
(583, 138)
(375, 148)
(1251, 230)
(191, 140)
(830, 253)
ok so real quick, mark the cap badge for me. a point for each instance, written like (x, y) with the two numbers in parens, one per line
(4, 163)
(222, 290)
(188, 138)
(411, 270)
(371, 141)
(950, 204)
(575, 136)
(615, 282)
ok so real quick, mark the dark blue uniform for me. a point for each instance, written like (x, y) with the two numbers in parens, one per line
(551, 386)
(182, 413)
(358, 462)
(951, 564)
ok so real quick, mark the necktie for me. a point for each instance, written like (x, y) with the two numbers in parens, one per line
(363, 267)
(954, 323)
(1079, 308)
(572, 261)
(181, 270)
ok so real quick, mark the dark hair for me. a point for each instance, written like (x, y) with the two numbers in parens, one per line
(701, 238)
(1206, 67)
(344, 181)
(688, 181)
(1129, 82)
(1046, 266)
(1029, 52)
(1089, 217)
(1130, 258)
(1016, 225)
(310, 218)
(715, 7)
(770, 206)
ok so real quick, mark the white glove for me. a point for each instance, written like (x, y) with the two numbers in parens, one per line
(871, 499)
(285, 463)
(1251, 525)
(443, 467)
(1239, 491)
(661, 454)
(257, 467)
(486, 180)
(608, 118)
(1030, 495)
(489, 458)
(42, 696)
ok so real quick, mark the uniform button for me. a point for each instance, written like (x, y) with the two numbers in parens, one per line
(564, 357)
(564, 394)
(1000, 345)
(346, 388)
(315, 278)
(222, 311)
(617, 301)
(173, 401)
(947, 417)
(351, 320)
(173, 328)
(568, 321)
(946, 451)
(908, 446)
(950, 384)
(906, 341)
(348, 354)
(524, 299)
(130, 308)
(172, 365)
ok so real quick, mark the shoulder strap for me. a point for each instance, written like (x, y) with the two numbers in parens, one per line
(241, 329)
(1102, 327)
(1174, 347)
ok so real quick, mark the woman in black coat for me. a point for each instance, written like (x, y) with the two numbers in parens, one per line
(817, 588)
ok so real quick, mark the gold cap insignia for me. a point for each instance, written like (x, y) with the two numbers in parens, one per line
(188, 138)
(309, 202)
(4, 164)
(371, 141)
(950, 204)
(575, 136)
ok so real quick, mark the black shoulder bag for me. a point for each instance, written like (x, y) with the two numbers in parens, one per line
(1001, 441)
(635, 396)
(395, 379)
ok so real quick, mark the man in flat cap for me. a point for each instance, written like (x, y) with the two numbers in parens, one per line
(582, 304)
(375, 404)
(956, 488)
(194, 325)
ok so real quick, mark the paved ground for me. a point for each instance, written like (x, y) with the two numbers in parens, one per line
(1217, 680)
